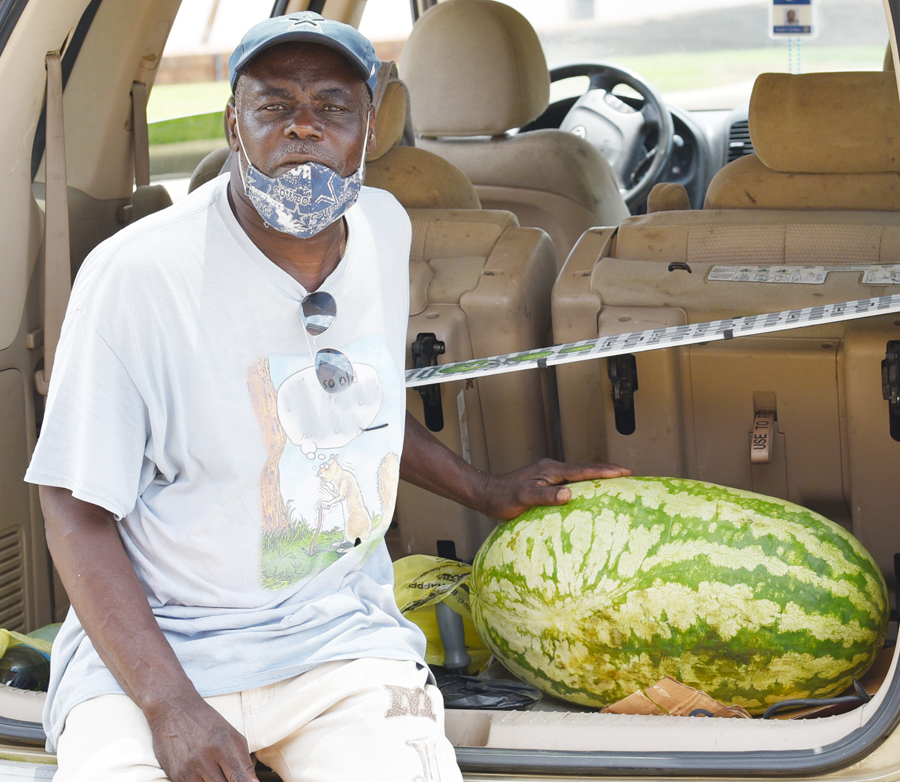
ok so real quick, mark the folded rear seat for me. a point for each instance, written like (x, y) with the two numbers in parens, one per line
(694, 407)
(481, 285)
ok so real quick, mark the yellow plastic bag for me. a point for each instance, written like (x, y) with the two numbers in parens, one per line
(12, 638)
(420, 583)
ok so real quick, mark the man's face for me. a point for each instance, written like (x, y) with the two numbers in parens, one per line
(298, 103)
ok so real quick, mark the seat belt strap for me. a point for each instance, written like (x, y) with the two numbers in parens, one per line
(57, 252)
(139, 133)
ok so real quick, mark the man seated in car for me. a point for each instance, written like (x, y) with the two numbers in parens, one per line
(219, 459)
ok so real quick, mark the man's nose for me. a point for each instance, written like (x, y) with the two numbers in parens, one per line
(304, 123)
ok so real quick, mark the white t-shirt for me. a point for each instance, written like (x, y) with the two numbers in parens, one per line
(252, 503)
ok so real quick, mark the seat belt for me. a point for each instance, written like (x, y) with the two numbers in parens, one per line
(57, 252)
(147, 198)
(140, 134)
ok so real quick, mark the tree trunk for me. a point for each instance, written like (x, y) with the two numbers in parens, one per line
(262, 394)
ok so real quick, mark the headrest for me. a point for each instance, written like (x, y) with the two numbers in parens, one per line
(668, 197)
(390, 120)
(390, 101)
(474, 68)
(837, 123)
(419, 179)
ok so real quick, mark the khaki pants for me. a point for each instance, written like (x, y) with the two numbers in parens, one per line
(373, 720)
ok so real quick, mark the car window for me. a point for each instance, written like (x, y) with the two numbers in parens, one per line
(700, 54)
(186, 105)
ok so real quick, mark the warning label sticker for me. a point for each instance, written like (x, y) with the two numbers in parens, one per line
(878, 274)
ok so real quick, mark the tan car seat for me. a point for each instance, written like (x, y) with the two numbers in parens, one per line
(476, 71)
(481, 285)
(689, 411)
(809, 156)
(418, 179)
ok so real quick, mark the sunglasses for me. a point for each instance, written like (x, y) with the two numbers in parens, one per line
(333, 369)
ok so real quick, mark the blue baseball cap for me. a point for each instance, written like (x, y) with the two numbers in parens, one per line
(308, 27)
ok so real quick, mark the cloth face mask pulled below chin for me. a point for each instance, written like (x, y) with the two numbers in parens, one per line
(305, 200)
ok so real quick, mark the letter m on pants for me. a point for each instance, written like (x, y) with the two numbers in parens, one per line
(409, 702)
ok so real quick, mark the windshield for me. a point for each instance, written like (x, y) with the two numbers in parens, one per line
(700, 54)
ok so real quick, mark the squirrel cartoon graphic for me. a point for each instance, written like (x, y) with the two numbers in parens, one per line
(343, 488)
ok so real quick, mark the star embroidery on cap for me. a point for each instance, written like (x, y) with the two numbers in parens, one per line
(299, 22)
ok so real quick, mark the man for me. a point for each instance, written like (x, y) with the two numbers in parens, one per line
(220, 454)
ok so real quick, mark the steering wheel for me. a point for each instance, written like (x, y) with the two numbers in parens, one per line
(621, 133)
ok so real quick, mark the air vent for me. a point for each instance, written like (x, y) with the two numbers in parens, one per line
(739, 141)
(12, 579)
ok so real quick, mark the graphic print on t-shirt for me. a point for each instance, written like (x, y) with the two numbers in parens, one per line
(329, 483)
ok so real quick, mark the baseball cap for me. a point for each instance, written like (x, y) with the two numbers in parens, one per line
(311, 28)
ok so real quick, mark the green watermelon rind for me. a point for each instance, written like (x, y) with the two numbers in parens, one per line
(750, 598)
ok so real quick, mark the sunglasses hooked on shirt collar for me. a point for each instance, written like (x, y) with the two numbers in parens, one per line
(333, 369)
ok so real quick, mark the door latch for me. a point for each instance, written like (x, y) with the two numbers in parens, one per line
(425, 351)
(622, 372)
(890, 386)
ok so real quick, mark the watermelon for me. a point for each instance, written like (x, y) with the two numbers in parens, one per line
(751, 599)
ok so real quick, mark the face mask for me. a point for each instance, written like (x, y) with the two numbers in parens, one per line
(305, 200)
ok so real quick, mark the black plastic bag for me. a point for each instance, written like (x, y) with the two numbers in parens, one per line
(472, 692)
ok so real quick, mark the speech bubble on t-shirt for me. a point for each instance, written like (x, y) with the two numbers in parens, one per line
(312, 418)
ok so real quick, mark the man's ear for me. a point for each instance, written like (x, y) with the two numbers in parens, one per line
(370, 142)
(231, 125)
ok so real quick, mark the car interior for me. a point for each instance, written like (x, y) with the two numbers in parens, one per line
(525, 234)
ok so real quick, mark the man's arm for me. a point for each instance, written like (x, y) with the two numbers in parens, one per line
(192, 741)
(429, 464)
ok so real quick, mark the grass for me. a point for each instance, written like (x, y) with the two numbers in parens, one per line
(185, 123)
(682, 71)
(286, 556)
(168, 101)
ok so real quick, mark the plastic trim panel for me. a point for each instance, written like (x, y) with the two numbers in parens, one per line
(786, 763)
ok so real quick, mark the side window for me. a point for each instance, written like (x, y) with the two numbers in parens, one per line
(186, 108)
(387, 24)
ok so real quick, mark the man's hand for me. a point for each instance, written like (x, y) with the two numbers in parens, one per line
(506, 496)
(429, 464)
(193, 742)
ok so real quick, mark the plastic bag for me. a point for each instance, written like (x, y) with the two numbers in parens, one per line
(420, 583)
(25, 659)
(41, 639)
(470, 692)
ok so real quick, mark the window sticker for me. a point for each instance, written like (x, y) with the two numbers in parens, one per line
(792, 19)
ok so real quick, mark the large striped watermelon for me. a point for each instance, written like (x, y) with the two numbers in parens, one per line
(749, 598)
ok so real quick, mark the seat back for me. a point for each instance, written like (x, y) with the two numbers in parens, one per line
(481, 285)
(809, 156)
(418, 179)
(476, 71)
(695, 406)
